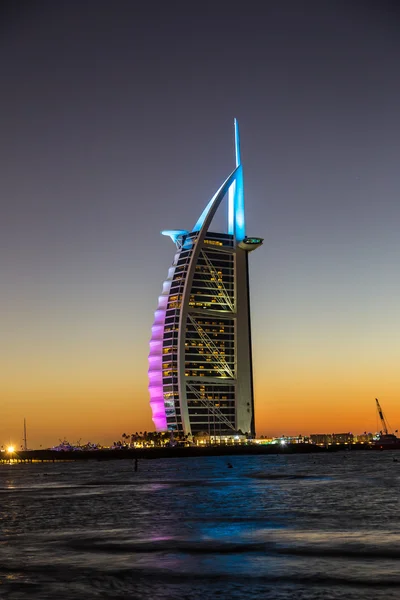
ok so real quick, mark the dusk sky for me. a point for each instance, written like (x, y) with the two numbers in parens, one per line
(116, 122)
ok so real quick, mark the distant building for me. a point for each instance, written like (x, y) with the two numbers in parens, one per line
(321, 439)
(342, 438)
(365, 438)
(324, 439)
(200, 363)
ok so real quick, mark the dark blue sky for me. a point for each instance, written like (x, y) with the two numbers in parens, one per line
(117, 121)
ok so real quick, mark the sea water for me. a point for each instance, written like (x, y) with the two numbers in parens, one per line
(302, 527)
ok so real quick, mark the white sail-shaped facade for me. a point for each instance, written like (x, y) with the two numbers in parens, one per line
(200, 363)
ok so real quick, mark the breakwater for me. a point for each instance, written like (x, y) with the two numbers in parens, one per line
(173, 452)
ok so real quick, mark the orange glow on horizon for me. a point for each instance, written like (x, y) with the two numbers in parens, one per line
(300, 405)
(98, 390)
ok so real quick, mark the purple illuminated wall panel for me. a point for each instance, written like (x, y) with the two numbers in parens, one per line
(156, 358)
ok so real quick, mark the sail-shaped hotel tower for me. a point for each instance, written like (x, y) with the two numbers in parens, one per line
(200, 363)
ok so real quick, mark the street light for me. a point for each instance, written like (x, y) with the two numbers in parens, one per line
(10, 449)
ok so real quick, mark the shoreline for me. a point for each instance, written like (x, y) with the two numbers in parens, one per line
(29, 456)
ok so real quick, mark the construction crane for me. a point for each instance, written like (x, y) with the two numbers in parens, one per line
(382, 417)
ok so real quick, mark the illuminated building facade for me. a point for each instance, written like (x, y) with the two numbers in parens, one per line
(200, 364)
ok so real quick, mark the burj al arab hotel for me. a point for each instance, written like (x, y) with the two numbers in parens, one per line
(200, 361)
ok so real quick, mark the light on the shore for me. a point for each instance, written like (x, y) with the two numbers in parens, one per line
(10, 449)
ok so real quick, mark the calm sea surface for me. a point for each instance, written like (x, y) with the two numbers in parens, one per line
(277, 527)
